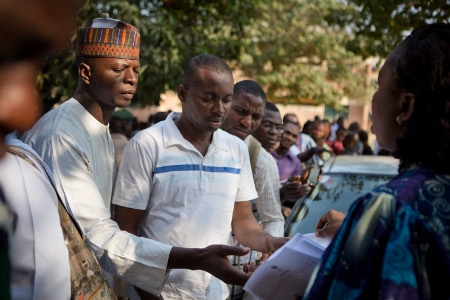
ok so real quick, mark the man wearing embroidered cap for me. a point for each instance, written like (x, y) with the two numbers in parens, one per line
(74, 140)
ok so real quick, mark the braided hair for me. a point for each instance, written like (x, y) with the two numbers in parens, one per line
(422, 67)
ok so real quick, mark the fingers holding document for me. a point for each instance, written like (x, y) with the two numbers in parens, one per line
(329, 223)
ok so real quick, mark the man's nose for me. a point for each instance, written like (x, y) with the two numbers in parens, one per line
(247, 121)
(131, 77)
(219, 107)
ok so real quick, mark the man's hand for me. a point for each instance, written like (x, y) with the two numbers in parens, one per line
(214, 260)
(329, 223)
(293, 189)
(305, 174)
(274, 243)
(318, 150)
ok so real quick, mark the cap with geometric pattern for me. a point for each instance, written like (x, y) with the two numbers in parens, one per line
(107, 37)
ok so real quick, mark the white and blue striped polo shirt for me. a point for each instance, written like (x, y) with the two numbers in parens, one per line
(188, 198)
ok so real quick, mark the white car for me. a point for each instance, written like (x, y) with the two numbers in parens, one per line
(345, 178)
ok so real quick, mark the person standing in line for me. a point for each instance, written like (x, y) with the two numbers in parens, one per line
(270, 131)
(350, 143)
(319, 132)
(305, 149)
(395, 241)
(336, 145)
(364, 139)
(186, 182)
(246, 113)
(288, 164)
(338, 123)
(74, 140)
(355, 127)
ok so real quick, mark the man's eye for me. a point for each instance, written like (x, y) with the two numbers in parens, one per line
(240, 111)
(117, 70)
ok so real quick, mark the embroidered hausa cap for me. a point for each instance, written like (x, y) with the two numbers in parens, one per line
(107, 37)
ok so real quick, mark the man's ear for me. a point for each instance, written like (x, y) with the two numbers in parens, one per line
(84, 71)
(407, 104)
(181, 92)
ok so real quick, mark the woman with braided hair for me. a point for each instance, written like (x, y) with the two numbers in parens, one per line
(395, 241)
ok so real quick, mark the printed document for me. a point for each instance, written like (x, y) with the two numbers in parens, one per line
(287, 272)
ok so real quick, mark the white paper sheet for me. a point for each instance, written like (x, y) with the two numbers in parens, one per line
(286, 273)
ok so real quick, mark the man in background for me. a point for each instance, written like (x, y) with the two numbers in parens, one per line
(305, 148)
(269, 134)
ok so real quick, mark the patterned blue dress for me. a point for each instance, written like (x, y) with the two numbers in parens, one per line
(393, 244)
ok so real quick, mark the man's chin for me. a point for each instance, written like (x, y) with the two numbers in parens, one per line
(123, 103)
(240, 134)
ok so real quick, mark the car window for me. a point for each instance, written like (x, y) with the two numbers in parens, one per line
(335, 191)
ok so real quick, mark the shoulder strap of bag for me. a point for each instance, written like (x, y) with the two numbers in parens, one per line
(19, 151)
(84, 266)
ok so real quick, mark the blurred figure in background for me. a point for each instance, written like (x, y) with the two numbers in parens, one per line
(305, 148)
(350, 143)
(364, 139)
(336, 145)
(320, 130)
(121, 128)
(338, 123)
(355, 127)
(31, 240)
(158, 117)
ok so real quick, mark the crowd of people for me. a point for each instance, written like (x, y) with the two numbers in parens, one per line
(84, 199)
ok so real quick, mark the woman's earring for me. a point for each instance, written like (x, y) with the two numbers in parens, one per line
(399, 122)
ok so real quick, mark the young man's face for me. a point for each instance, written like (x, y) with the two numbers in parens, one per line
(269, 132)
(113, 81)
(289, 135)
(245, 116)
(207, 99)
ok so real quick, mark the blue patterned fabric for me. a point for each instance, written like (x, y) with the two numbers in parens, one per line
(406, 256)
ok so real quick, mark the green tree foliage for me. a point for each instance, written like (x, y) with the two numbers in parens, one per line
(379, 25)
(299, 58)
(300, 51)
(172, 31)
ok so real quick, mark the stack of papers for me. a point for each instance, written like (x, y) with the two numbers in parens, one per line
(287, 272)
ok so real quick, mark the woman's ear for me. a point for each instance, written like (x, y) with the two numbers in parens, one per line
(407, 104)
(84, 71)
